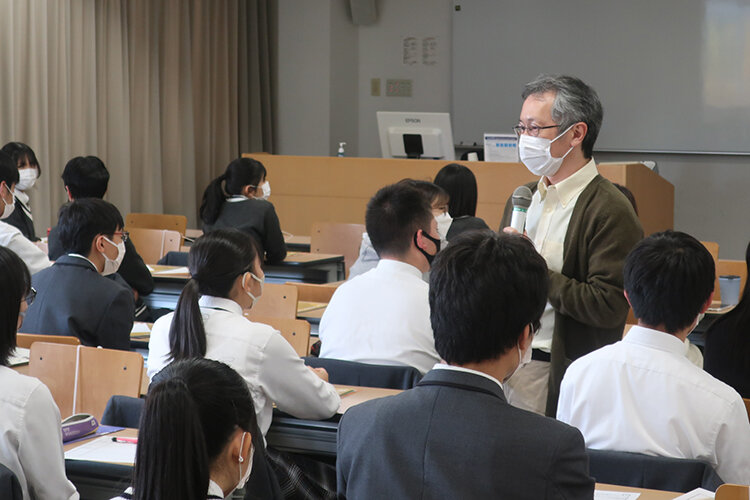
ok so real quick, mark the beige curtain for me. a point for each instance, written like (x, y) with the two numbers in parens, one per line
(166, 92)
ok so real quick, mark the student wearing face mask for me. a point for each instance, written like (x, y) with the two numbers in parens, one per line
(208, 322)
(461, 186)
(73, 296)
(454, 435)
(580, 223)
(239, 199)
(198, 437)
(28, 172)
(10, 236)
(30, 435)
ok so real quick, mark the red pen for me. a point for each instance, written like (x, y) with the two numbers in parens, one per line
(125, 440)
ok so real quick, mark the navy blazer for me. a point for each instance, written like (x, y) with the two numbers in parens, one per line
(74, 299)
(455, 436)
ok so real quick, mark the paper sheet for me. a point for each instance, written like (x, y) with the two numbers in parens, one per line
(104, 450)
(140, 327)
(176, 270)
(615, 495)
(19, 357)
(697, 494)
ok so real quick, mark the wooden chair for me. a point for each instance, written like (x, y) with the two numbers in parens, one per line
(337, 238)
(311, 292)
(277, 301)
(732, 492)
(102, 373)
(733, 267)
(157, 221)
(295, 331)
(26, 339)
(153, 244)
(713, 249)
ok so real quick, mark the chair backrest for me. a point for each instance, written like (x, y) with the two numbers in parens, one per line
(747, 406)
(157, 221)
(713, 249)
(337, 238)
(26, 339)
(311, 292)
(733, 492)
(123, 411)
(735, 267)
(366, 375)
(277, 301)
(153, 244)
(645, 471)
(102, 373)
(295, 331)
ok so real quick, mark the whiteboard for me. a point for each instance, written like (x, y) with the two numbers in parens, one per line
(672, 75)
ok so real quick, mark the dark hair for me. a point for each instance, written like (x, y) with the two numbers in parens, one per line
(394, 215)
(240, 173)
(629, 195)
(86, 177)
(735, 323)
(485, 288)
(574, 102)
(215, 260)
(189, 418)
(16, 284)
(8, 170)
(80, 221)
(461, 186)
(431, 191)
(18, 152)
(669, 276)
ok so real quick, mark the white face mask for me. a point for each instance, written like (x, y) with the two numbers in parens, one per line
(240, 461)
(524, 358)
(535, 154)
(27, 178)
(9, 206)
(266, 187)
(259, 280)
(444, 221)
(112, 265)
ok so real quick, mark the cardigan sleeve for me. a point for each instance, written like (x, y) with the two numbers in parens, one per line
(273, 238)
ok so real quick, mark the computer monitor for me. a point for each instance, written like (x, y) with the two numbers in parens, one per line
(416, 135)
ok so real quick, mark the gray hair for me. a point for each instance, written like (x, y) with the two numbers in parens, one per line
(574, 102)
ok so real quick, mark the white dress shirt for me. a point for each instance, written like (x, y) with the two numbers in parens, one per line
(31, 437)
(273, 371)
(446, 366)
(32, 255)
(381, 317)
(547, 224)
(214, 492)
(643, 395)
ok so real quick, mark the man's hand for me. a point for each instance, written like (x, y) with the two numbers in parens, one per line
(320, 372)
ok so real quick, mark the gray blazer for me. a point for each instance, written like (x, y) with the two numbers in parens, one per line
(74, 299)
(455, 436)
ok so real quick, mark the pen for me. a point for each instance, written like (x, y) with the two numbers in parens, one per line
(125, 440)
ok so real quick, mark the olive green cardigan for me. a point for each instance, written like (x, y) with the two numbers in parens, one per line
(590, 308)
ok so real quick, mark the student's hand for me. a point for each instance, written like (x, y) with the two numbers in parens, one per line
(320, 372)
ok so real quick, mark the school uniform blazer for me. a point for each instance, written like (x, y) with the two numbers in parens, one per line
(74, 299)
(257, 218)
(455, 436)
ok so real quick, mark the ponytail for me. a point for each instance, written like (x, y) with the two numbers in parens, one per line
(213, 199)
(187, 335)
(172, 461)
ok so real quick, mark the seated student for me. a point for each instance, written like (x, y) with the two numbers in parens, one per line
(239, 199)
(24, 159)
(727, 352)
(73, 296)
(208, 322)
(383, 316)
(10, 237)
(198, 436)
(438, 198)
(454, 435)
(30, 433)
(87, 177)
(642, 394)
(461, 185)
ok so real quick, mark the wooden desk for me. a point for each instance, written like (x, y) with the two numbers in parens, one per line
(646, 494)
(99, 480)
(297, 243)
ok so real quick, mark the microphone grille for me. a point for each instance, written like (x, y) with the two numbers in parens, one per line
(522, 197)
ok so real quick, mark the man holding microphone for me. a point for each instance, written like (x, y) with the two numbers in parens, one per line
(583, 227)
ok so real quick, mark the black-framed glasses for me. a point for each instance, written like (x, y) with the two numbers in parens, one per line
(29, 299)
(124, 234)
(532, 130)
